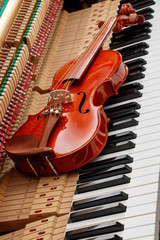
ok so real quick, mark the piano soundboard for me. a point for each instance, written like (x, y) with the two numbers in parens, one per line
(116, 196)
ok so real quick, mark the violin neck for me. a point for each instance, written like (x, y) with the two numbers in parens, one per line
(88, 55)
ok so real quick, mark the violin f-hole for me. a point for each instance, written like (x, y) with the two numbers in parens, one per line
(82, 102)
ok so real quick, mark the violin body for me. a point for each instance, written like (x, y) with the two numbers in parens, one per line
(81, 132)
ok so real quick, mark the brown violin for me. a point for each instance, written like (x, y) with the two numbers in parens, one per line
(72, 129)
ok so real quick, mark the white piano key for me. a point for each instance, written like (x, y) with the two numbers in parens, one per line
(151, 237)
(134, 201)
(132, 192)
(139, 235)
(148, 104)
(147, 162)
(147, 99)
(143, 171)
(137, 155)
(139, 148)
(135, 233)
(135, 182)
(140, 200)
(142, 190)
(121, 217)
(147, 153)
(140, 129)
(146, 137)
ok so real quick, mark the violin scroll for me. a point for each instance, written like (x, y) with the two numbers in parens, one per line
(126, 9)
(127, 17)
(128, 21)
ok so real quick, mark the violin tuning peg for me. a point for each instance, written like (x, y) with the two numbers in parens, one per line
(140, 19)
(100, 24)
(126, 9)
(133, 18)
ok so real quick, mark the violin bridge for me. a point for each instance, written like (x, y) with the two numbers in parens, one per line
(61, 96)
(57, 97)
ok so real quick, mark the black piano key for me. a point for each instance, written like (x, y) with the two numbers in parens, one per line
(134, 76)
(148, 15)
(123, 115)
(132, 29)
(135, 54)
(132, 48)
(99, 200)
(98, 211)
(130, 36)
(135, 73)
(103, 183)
(100, 229)
(116, 138)
(143, 4)
(134, 51)
(139, 68)
(105, 237)
(130, 32)
(120, 109)
(146, 12)
(136, 38)
(131, 64)
(127, 95)
(131, 86)
(117, 125)
(112, 148)
(116, 119)
(104, 173)
(139, 4)
(106, 163)
(125, 92)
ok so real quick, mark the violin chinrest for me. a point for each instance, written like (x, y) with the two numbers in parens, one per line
(26, 146)
(21, 143)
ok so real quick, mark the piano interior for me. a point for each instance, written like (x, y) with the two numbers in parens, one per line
(116, 196)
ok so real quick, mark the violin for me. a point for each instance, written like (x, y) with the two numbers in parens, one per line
(72, 129)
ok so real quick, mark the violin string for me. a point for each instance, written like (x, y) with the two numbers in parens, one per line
(83, 53)
(88, 51)
(100, 36)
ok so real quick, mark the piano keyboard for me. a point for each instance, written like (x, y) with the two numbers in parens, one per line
(117, 194)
